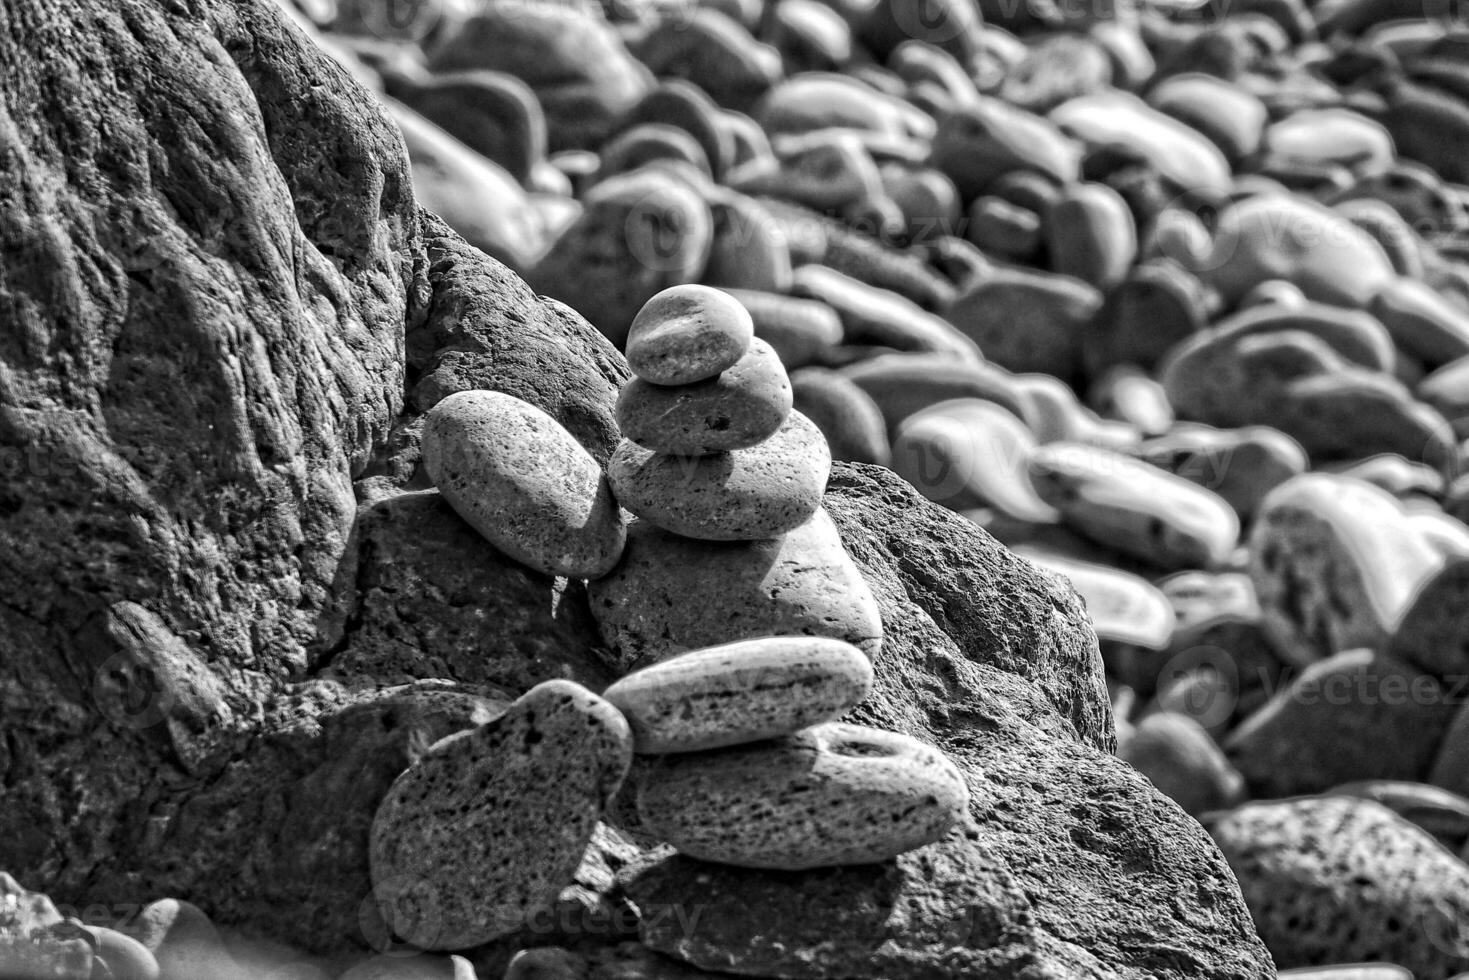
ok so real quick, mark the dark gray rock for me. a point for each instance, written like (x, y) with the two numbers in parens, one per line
(1339, 880)
(423, 595)
(1073, 863)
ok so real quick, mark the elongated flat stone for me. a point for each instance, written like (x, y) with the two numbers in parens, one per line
(738, 408)
(741, 692)
(1135, 507)
(831, 795)
(523, 482)
(970, 453)
(746, 494)
(688, 333)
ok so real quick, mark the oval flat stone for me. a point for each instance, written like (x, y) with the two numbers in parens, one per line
(1274, 236)
(1228, 115)
(1447, 390)
(671, 594)
(1179, 152)
(1198, 368)
(1052, 411)
(826, 170)
(1433, 633)
(1128, 394)
(745, 494)
(451, 865)
(521, 480)
(483, 200)
(1354, 715)
(871, 314)
(741, 407)
(811, 36)
(1241, 465)
(1331, 136)
(1357, 413)
(640, 233)
(1422, 321)
(970, 453)
(1398, 239)
(750, 250)
(831, 795)
(1134, 507)
(1398, 476)
(688, 333)
(982, 139)
(1347, 971)
(741, 692)
(1091, 235)
(1336, 563)
(1003, 228)
(1158, 305)
(928, 200)
(712, 50)
(650, 141)
(845, 414)
(676, 102)
(1027, 320)
(823, 100)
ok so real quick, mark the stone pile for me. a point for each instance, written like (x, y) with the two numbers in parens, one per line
(750, 766)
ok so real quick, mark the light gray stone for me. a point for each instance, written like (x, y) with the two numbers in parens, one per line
(688, 333)
(741, 692)
(523, 482)
(736, 409)
(746, 494)
(830, 795)
(451, 858)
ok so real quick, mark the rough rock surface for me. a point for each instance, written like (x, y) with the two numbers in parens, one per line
(1334, 880)
(224, 314)
(214, 304)
(1082, 860)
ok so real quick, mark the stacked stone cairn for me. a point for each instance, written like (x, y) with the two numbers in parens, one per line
(730, 588)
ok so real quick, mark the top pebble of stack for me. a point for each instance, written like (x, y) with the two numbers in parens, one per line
(688, 333)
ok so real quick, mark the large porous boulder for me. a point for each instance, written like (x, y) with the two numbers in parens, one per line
(234, 611)
(218, 296)
(1073, 865)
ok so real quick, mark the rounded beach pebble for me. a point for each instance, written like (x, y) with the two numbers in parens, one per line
(490, 824)
(830, 795)
(743, 495)
(741, 692)
(1135, 508)
(736, 409)
(688, 333)
(521, 480)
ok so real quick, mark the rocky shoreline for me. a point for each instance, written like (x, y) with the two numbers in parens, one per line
(981, 493)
